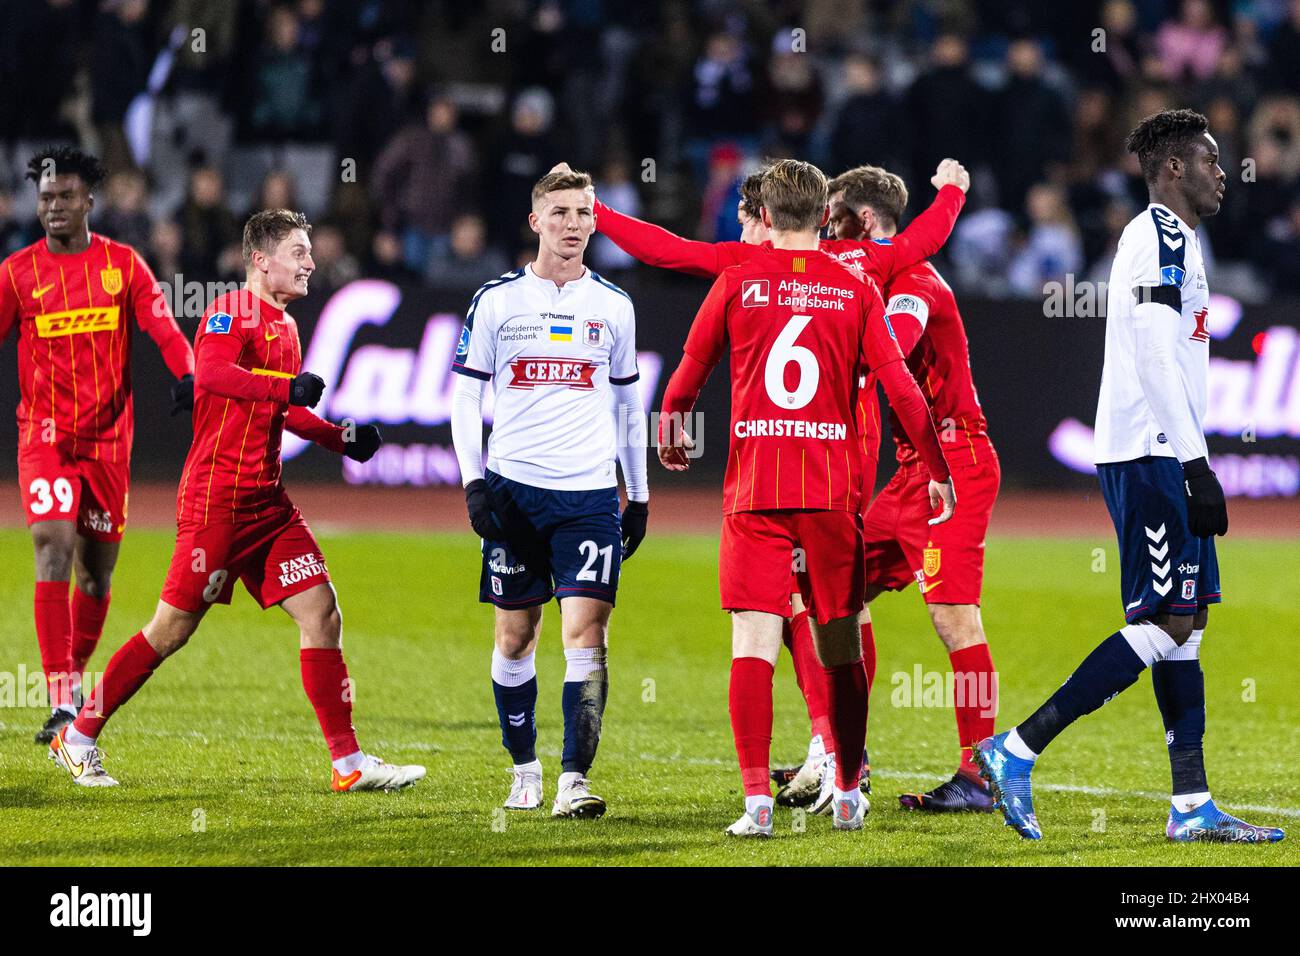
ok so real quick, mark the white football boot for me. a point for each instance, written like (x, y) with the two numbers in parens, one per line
(575, 800)
(805, 784)
(526, 788)
(755, 824)
(374, 774)
(849, 813)
(84, 763)
(826, 794)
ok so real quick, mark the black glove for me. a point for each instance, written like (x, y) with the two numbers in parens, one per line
(482, 515)
(1207, 511)
(635, 516)
(306, 389)
(365, 442)
(183, 395)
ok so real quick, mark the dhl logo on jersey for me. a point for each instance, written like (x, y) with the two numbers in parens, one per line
(51, 325)
(531, 372)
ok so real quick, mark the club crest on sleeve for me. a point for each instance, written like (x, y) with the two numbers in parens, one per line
(218, 322)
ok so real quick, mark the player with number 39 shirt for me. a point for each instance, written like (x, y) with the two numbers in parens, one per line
(802, 330)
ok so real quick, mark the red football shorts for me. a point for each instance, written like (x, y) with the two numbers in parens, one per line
(945, 560)
(760, 549)
(275, 556)
(55, 486)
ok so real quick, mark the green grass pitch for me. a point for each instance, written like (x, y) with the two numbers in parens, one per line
(221, 760)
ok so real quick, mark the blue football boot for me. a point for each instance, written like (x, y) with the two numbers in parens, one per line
(1008, 776)
(1208, 824)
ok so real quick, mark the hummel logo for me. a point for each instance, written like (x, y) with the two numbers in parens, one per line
(1156, 535)
(37, 293)
(1159, 555)
(516, 720)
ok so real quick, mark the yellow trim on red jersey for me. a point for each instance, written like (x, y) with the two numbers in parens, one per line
(270, 371)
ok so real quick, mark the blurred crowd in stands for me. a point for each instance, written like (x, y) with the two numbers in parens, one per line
(412, 131)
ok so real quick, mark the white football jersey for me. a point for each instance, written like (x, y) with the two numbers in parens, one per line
(1156, 249)
(551, 355)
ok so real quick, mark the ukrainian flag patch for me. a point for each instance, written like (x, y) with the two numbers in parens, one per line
(561, 333)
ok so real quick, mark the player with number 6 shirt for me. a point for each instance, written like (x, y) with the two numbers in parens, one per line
(802, 330)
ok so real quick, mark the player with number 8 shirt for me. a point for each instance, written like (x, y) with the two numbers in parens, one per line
(235, 520)
(802, 330)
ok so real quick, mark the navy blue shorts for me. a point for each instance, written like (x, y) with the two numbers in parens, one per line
(1163, 566)
(561, 544)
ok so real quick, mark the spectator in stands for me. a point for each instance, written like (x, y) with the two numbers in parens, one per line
(335, 266)
(1053, 246)
(1191, 45)
(792, 98)
(166, 244)
(279, 191)
(519, 159)
(1284, 52)
(469, 261)
(286, 100)
(124, 215)
(207, 224)
(867, 128)
(955, 108)
(119, 69)
(616, 190)
(1119, 63)
(1032, 123)
(386, 260)
(373, 100)
(422, 179)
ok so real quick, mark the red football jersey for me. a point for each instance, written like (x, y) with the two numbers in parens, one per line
(74, 314)
(802, 329)
(923, 313)
(247, 352)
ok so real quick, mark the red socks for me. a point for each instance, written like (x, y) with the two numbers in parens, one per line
(975, 696)
(325, 679)
(869, 655)
(810, 674)
(848, 708)
(54, 635)
(88, 615)
(128, 669)
(750, 698)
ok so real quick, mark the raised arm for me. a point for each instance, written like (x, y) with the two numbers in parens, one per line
(656, 246)
(930, 229)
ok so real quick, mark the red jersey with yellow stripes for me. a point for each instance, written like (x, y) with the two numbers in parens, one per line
(802, 330)
(922, 310)
(74, 314)
(246, 354)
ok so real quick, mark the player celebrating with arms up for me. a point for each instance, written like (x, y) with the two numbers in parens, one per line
(558, 343)
(802, 328)
(1165, 501)
(73, 296)
(234, 518)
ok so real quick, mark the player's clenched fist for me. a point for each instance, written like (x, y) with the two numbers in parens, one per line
(363, 444)
(635, 518)
(482, 515)
(951, 173)
(942, 494)
(306, 389)
(1207, 510)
